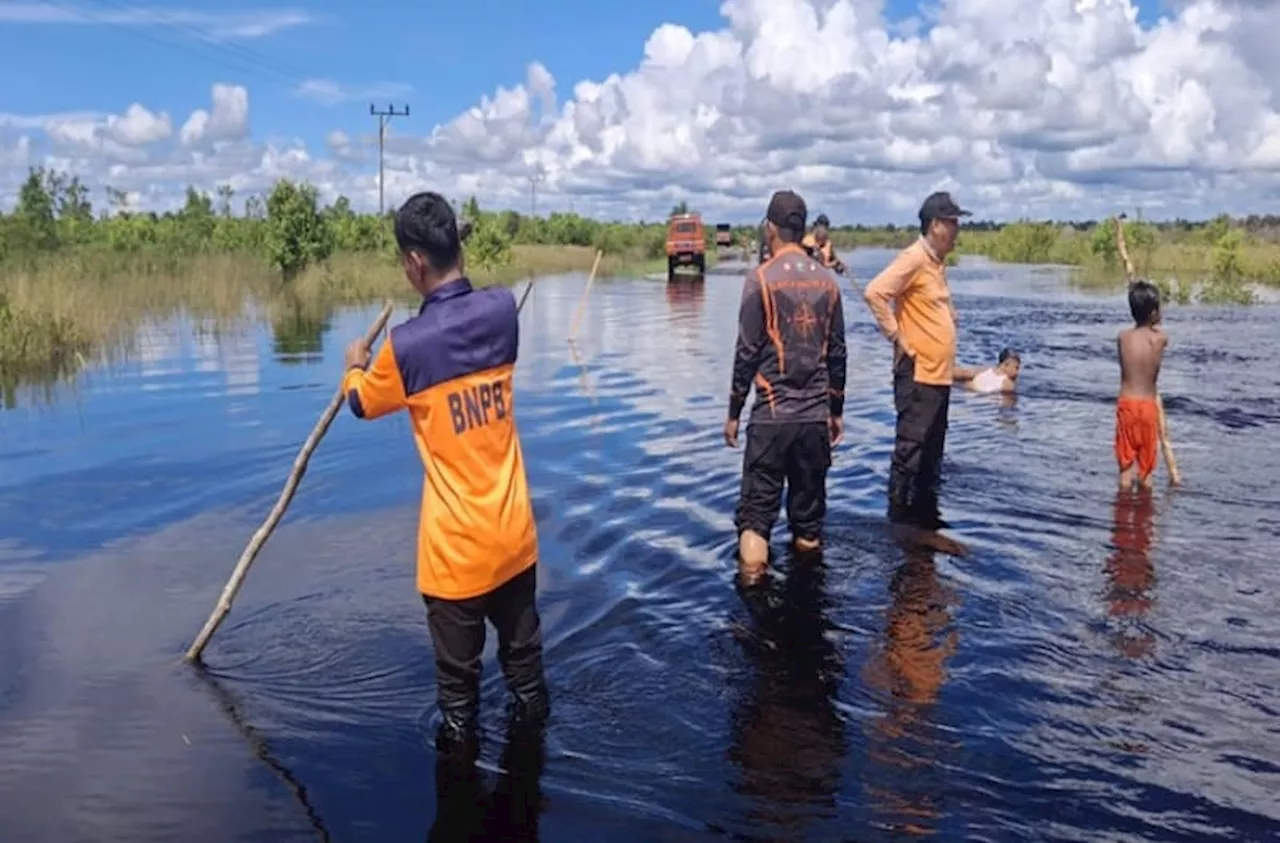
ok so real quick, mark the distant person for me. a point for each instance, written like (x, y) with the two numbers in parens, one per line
(1002, 377)
(791, 346)
(451, 367)
(818, 244)
(912, 305)
(1140, 428)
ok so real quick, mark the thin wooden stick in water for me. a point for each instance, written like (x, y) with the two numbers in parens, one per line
(582, 302)
(259, 538)
(1170, 462)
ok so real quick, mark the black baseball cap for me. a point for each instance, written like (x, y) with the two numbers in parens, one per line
(940, 206)
(822, 220)
(787, 210)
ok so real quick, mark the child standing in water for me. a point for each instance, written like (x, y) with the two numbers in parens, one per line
(1140, 428)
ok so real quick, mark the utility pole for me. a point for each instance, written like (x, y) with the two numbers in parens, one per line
(384, 117)
(535, 178)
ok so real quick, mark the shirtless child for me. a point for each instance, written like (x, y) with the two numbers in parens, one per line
(1002, 377)
(1140, 430)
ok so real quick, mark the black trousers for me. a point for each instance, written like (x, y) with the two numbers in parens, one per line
(797, 454)
(458, 633)
(918, 446)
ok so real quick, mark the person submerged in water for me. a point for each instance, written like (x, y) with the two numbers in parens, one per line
(1002, 377)
(1139, 416)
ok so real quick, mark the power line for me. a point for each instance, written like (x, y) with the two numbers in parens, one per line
(384, 117)
(212, 48)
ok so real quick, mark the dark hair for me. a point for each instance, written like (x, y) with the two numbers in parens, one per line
(1009, 354)
(924, 227)
(789, 235)
(426, 224)
(1144, 301)
(822, 221)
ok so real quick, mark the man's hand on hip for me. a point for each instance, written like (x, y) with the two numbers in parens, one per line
(731, 433)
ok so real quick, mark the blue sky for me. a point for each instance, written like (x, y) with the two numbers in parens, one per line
(1181, 120)
(449, 54)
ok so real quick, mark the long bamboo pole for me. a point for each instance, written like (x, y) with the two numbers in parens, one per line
(582, 302)
(263, 533)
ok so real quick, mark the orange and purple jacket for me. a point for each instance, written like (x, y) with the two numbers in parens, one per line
(791, 342)
(451, 367)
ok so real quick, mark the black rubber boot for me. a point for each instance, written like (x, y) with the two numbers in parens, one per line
(529, 708)
(459, 730)
(899, 499)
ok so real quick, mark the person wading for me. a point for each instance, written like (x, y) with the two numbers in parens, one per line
(791, 346)
(911, 303)
(818, 244)
(451, 367)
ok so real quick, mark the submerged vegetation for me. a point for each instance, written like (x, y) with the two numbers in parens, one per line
(75, 281)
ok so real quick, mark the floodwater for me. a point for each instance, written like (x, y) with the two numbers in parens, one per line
(1096, 668)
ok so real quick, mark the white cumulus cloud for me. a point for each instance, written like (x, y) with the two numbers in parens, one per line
(1053, 108)
(229, 119)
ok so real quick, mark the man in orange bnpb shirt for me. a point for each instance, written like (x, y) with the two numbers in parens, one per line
(451, 367)
(912, 305)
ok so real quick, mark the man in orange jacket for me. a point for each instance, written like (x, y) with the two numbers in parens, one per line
(912, 305)
(451, 367)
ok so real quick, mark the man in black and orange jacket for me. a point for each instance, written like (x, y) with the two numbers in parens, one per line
(451, 367)
(791, 346)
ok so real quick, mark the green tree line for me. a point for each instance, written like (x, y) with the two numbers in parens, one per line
(289, 228)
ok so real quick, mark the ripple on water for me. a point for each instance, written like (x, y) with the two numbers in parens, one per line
(1095, 668)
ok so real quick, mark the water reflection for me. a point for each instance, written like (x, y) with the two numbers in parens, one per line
(687, 293)
(297, 331)
(1130, 573)
(466, 810)
(788, 740)
(667, 728)
(904, 777)
(258, 745)
(584, 379)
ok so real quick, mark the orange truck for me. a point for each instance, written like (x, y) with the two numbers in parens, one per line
(724, 235)
(686, 243)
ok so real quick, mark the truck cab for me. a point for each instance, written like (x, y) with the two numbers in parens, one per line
(686, 243)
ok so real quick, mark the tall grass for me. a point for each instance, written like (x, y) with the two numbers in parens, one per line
(59, 312)
(1222, 268)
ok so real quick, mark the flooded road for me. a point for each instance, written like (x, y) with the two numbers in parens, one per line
(1097, 668)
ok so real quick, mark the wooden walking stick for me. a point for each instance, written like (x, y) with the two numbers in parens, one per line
(259, 538)
(1129, 273)
(582, 302)
(1166, 447)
